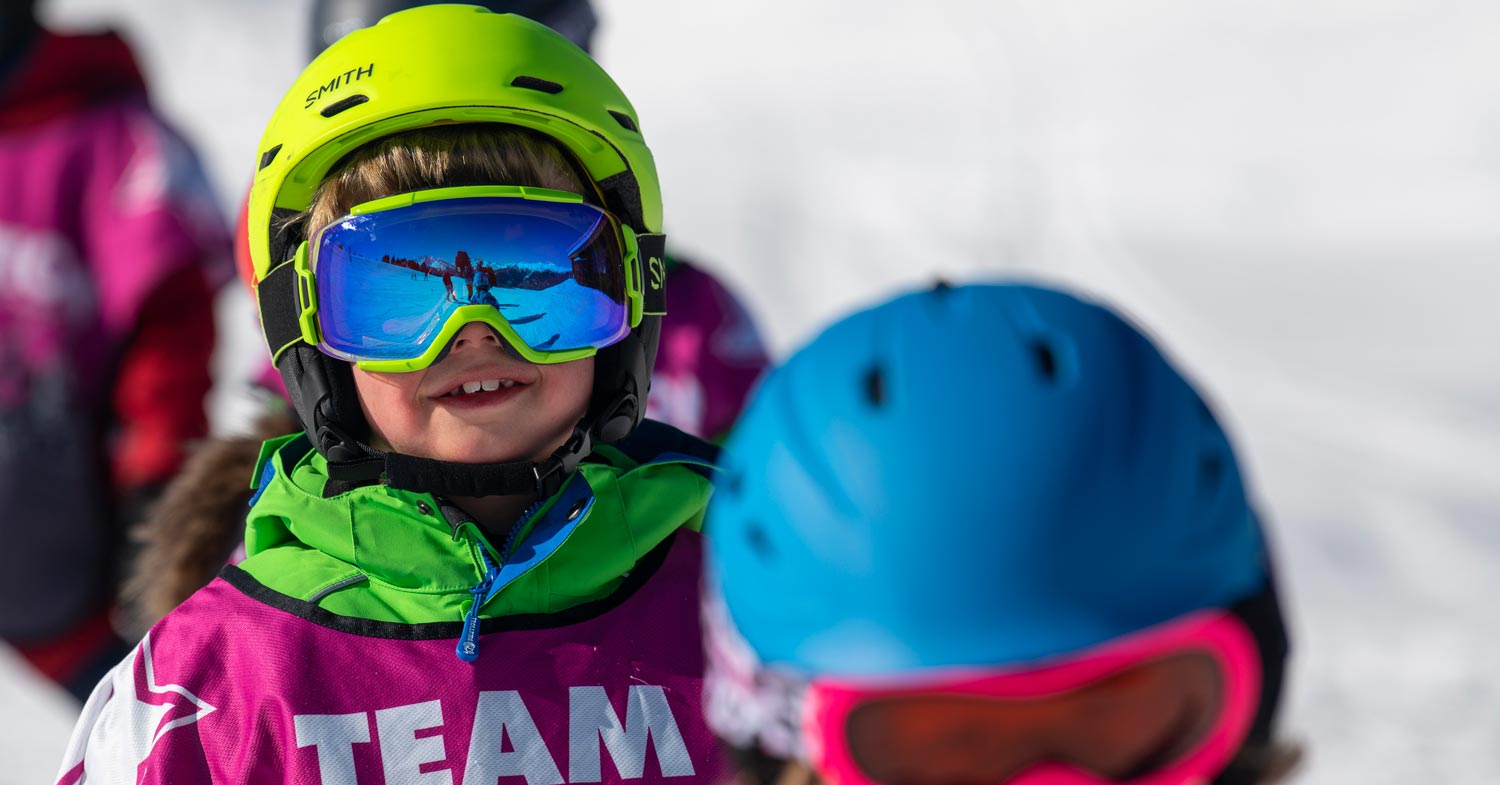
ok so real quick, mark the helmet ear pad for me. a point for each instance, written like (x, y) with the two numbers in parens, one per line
(622, 379)
(322, 392)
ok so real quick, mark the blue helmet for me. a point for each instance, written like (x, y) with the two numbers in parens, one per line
(978, 475)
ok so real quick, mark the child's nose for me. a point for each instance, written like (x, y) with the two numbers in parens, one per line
(475, 335)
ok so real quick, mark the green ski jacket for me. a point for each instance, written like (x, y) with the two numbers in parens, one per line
(378, 553)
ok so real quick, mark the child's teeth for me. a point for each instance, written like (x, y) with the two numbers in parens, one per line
(487, 385)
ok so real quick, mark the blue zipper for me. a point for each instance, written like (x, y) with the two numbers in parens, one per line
(468, 643)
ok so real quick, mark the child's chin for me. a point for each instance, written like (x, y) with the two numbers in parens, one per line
(456, 449)
(485, 445)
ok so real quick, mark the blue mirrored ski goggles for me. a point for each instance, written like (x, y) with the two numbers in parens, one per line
(388, 285)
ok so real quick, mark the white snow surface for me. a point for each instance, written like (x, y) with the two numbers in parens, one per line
(1299, 200)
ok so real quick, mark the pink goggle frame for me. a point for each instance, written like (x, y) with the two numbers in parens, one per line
(828, 703)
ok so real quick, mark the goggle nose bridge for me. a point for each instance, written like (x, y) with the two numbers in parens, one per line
(505, 345)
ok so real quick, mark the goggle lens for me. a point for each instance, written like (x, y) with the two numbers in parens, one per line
(1117, 728)
(389, 282)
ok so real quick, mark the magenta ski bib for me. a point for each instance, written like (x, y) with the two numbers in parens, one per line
(223, 690)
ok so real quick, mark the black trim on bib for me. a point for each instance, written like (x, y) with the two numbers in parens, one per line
(644, 569)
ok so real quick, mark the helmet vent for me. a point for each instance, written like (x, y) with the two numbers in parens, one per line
(759, 541)
(624, 120)
(344, 103)
(1046, 360)
(1210, 471)
(875, 386)
(268, 156)
(540, 85)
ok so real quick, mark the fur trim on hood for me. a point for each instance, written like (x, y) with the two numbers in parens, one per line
(198, 524)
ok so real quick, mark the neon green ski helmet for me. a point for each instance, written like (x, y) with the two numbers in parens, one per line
(448, 64)
(418, 68)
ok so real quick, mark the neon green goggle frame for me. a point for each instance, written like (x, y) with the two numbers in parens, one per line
(314, 265)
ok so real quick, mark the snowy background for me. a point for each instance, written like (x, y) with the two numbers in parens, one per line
(1302, 200)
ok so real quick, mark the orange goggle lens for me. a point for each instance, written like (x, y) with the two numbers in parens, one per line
(1119, 727)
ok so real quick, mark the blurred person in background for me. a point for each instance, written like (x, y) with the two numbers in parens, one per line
(110, 256)
(710, 354)
(1008, 542)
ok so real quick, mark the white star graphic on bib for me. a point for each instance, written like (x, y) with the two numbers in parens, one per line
(159, 708)
(128, 714)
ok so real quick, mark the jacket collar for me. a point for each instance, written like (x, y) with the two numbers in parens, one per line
(608, 514)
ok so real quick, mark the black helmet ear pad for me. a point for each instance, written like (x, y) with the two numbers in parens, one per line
(323, 395)
(622, 379)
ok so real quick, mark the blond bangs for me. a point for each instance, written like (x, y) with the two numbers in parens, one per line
(443, 157)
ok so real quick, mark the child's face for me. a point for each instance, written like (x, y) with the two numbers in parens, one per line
(414, 413)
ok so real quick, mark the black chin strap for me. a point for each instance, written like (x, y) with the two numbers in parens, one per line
(448, 478)
(353, 461)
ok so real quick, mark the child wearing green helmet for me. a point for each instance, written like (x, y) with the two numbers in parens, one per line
(710, 353)
(478, 560)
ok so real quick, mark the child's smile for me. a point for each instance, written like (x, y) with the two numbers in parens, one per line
(482, 387)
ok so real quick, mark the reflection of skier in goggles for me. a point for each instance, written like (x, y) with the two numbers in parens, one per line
(1092, 600)
(465, 271)
(482, 294)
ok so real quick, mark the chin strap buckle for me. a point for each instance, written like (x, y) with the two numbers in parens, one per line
(348, 460)
(551, 473)
(613, 424)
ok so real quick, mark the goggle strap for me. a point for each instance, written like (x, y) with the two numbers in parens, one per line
(653, 256)
(276, 296)
(285, 233)
(622, 194)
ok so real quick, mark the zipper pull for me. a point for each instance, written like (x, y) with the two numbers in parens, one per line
(468, 643)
